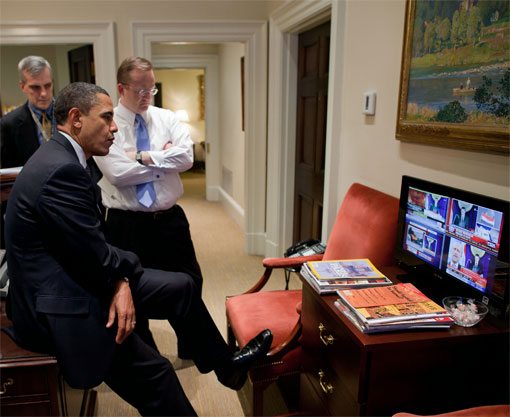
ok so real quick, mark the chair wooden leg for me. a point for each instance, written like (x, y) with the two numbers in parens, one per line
(88, 404)
(258, 399)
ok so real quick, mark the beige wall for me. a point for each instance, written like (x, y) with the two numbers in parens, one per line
(231, 133)
(369, 152)
(125, 12)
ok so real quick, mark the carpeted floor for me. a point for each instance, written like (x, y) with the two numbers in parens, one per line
(227, 270)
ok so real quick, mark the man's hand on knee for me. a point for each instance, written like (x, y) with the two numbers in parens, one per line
(123, 308)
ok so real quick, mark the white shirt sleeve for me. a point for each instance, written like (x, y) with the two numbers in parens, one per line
(120, 171)
(165, 128)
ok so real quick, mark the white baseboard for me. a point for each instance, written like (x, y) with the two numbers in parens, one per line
(232, 208)
(272, 250)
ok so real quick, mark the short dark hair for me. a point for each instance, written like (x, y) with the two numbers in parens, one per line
(129, 64)
(81, 95)
(33, 65)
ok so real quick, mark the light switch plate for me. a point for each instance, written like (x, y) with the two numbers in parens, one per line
(369, 103)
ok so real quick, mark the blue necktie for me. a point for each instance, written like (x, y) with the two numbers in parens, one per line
(145, 192)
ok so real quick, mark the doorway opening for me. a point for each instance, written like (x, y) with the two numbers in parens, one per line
(182, 92)
(217, 103)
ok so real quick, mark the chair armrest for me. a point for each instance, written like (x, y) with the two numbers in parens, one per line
(290, 262)
(289, 342)
(278, 263)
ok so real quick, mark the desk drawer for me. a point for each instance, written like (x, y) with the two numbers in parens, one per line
(30, 380)
(33, 409)
(333, 393)
(331, 359)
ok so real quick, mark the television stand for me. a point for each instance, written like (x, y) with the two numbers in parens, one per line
(346, 372)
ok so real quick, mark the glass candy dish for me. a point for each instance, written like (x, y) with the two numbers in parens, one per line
(465, 312)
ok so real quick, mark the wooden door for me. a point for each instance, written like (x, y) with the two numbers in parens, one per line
(313, 63)
(81, 64)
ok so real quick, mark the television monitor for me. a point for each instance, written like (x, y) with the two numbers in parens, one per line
(454, 242)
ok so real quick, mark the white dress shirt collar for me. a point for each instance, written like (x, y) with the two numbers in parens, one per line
(127, 115)
(77, 148)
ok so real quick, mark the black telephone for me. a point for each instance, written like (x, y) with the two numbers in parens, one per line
(305, 248)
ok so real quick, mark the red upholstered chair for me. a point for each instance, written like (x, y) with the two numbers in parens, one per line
(365, 227)
(502, 410)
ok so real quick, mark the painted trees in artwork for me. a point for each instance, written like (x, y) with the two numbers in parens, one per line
(465, 40)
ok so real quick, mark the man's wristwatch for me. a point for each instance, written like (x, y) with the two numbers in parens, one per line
(139, 157)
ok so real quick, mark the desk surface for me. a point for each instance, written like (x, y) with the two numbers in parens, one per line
(490, 325)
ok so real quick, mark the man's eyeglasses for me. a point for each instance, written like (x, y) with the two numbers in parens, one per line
(145, 93)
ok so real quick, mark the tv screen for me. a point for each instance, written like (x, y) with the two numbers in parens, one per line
(454, 240)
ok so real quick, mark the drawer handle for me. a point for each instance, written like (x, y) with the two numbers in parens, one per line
(5, 384)
(327, 340)
(327, 388)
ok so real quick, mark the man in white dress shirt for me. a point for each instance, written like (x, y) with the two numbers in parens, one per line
(141, 183)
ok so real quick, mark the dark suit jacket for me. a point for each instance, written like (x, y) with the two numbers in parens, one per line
(61, 269)
(18, 136)
(18, 142)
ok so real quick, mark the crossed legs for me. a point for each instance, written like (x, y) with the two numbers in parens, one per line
(140, 374)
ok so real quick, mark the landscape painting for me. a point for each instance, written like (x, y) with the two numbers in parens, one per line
(455, 79)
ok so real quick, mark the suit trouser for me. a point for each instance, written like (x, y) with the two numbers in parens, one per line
(139, 373)
(162, 240)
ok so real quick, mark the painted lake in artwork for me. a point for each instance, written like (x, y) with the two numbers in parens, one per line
(434, 89)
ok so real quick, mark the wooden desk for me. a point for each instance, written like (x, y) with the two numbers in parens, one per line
(422, 372)
(28, 380)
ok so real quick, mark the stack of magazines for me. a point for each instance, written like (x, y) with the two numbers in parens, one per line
(395, 307)
(326, 277)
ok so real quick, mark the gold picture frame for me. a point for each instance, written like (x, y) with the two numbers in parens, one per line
(482, 130)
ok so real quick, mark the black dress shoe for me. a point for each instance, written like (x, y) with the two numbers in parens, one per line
(234, 374)
(254, 349)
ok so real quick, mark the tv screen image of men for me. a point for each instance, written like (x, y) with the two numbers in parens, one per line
(456, 255)
(462, 216)
(430, 245)
(476, 261)
(74, 295)
(437, 206)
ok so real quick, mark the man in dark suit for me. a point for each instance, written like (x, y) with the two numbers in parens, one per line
(20, 135)
(74, 295)
(24, 129)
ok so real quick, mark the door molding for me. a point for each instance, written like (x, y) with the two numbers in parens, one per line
(99, 34)
(285, 25)
(254, 35)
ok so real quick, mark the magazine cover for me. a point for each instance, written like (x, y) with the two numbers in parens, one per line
(388, 304)
(416, 324)
(351, 268)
